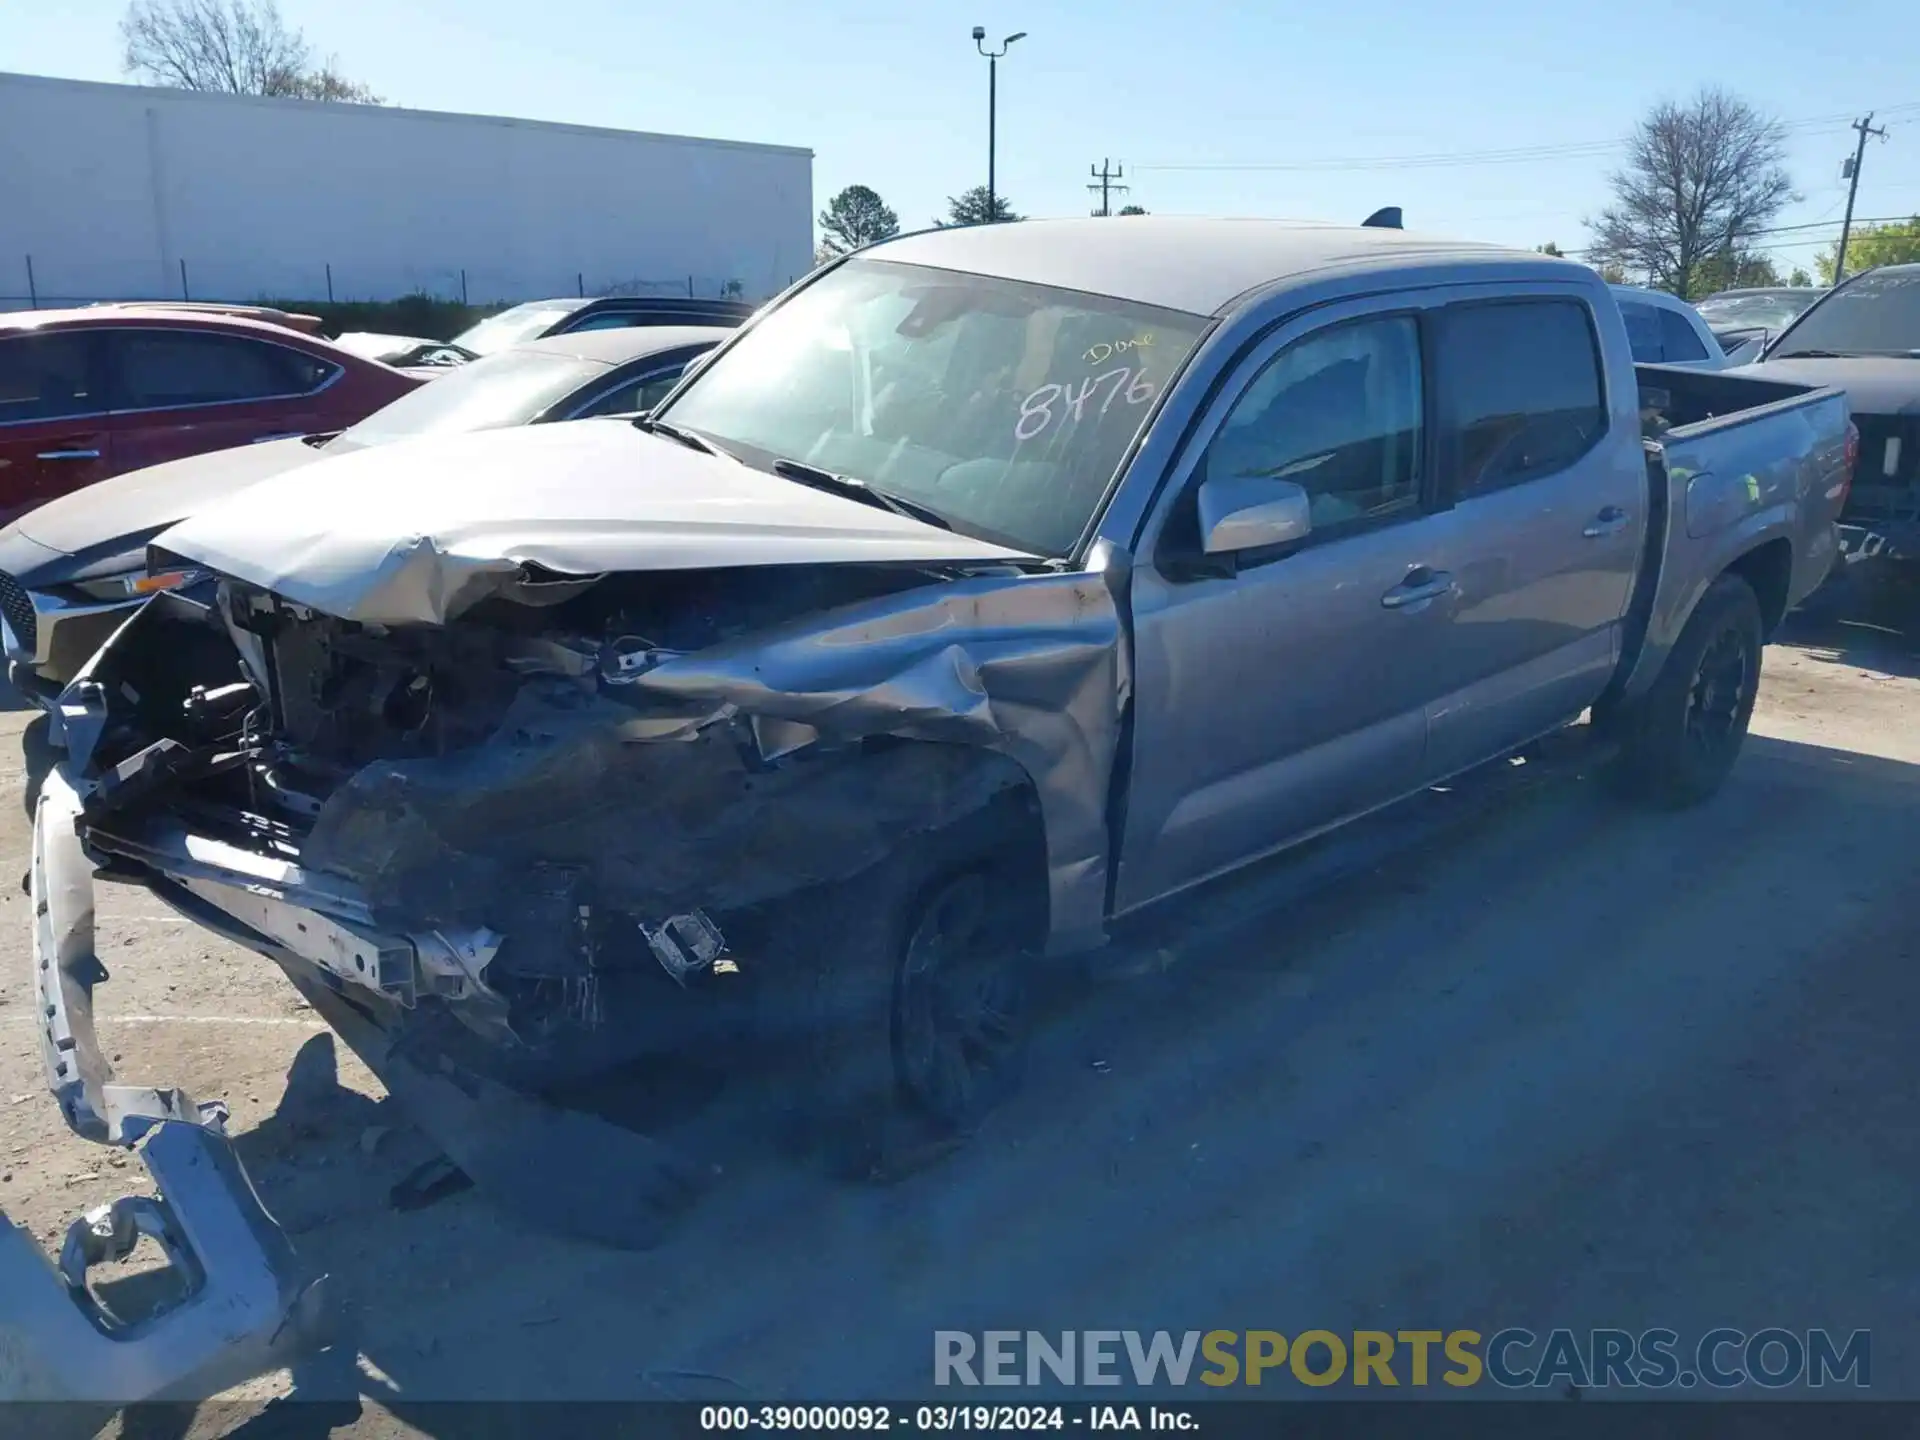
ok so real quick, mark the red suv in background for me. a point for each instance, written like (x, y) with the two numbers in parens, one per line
(85, 394)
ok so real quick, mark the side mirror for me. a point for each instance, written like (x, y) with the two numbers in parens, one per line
(1251, 512)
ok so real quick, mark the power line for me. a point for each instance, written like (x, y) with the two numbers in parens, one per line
(1795, 229)
(1822, 224)
(1515, 155)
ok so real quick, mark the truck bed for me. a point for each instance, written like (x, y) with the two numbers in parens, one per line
(1673, 398)
(1730, 458)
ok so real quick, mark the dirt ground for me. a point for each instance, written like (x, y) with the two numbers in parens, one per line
(1562, 1064)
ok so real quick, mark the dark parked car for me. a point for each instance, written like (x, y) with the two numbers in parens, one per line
(70, 570)
(1863, 336)
(539, 319)
(88, 394)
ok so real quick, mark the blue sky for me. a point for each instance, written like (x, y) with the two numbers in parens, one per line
(1511, 111)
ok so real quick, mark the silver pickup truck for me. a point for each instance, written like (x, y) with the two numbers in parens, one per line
(990, 586)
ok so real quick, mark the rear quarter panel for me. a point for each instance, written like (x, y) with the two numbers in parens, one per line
(1775, 473)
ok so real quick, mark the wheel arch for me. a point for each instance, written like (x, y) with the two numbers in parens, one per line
(1768, 569)
(1761, 553)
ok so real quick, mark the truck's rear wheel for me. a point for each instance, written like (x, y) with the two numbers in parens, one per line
(1679, 740)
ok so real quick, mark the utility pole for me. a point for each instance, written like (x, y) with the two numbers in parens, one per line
(1865, 127)
(1104, 179)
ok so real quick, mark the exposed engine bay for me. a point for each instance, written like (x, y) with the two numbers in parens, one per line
(508, 829)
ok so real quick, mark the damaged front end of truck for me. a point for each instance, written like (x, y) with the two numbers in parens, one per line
(508, 834)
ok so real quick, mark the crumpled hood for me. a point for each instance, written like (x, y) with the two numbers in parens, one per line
(420, 530)
(117, 514)
(1875, 384)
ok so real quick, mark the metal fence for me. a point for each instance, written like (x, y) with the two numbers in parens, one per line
(38, 283)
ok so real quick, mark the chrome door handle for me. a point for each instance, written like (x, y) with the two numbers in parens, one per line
(1609, 521)
(68, 455)
(1422, 584)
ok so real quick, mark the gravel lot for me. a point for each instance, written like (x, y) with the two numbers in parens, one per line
(1563, 1064)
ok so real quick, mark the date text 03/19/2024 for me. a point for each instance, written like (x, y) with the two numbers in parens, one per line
(941, 1419)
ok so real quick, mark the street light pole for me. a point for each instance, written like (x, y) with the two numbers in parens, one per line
(993, 102)
(993, 110)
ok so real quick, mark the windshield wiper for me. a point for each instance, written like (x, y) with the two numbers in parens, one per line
(675, 432)
(859, 490)
(1818, 355)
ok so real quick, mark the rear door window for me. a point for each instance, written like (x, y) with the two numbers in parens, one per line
(48, 377)
(1521, 391)
(160, 369)
(1679, 339)
(1645, 336)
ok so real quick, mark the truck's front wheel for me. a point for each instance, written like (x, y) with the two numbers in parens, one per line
(917, 1015)
(1679, 740)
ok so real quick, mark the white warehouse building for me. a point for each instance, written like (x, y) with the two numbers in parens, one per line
(127, 192)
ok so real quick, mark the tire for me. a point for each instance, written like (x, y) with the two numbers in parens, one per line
(1680, 739)
(916, 1002)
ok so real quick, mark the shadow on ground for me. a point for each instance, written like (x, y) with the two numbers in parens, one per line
(1558, 1062)
(10, 698)
(1852, 625)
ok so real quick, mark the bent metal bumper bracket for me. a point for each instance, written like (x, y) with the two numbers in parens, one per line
(245, 1305)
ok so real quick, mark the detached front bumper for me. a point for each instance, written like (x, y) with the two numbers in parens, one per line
(245, 1304)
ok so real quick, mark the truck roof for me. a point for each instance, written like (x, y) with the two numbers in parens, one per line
(1199, 265)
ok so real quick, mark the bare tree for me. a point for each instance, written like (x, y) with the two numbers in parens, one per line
(1702, 179)
(235, 47)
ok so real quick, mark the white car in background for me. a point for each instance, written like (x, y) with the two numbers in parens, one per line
(1745, 321)
(72, 569)
(1663, 329)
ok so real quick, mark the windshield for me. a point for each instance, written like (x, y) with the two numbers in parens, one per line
(1878, 314)
(490, 393)
(1764, 312)
(516, 326)
(1002, 406)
